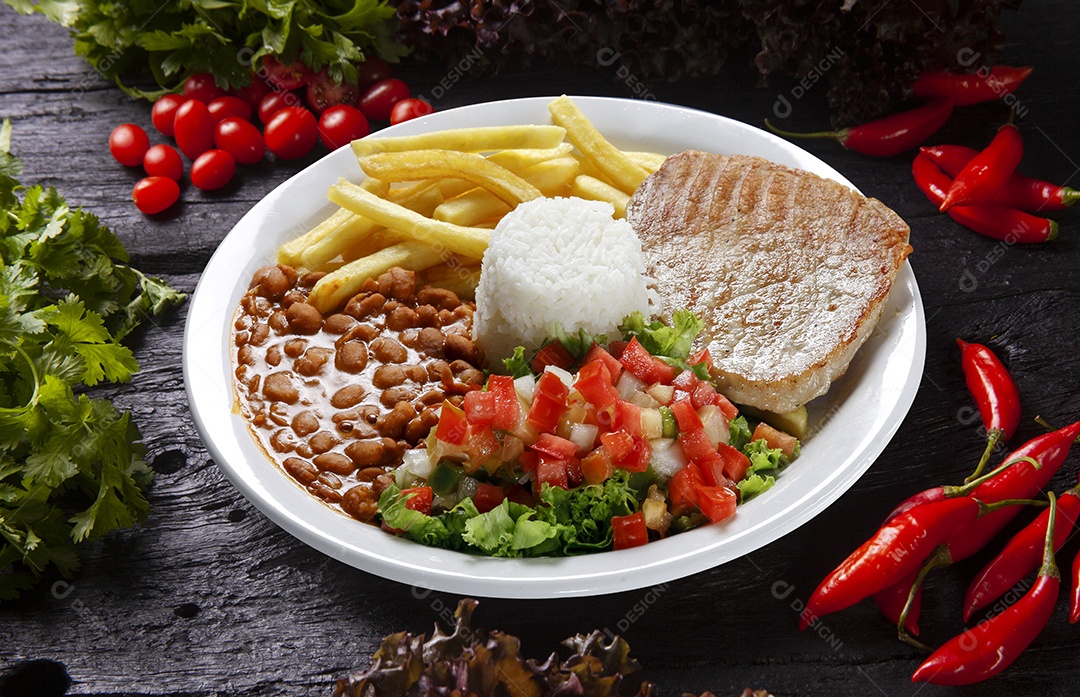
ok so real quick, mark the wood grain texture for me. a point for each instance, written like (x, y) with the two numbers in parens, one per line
(210, 598)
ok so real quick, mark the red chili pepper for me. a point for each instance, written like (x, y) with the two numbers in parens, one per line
(887, 136)
(990, 219)
(988, 171)
(1074, 604)
(989, 648)
(970, 89)
(995, 394)
(896, 550)
(926, 496)
(1021, 192)
(1021, 555)
(891, 602)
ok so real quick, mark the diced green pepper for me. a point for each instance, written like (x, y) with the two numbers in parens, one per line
(667, 419)
(445, 477)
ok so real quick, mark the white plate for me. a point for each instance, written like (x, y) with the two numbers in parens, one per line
(850, 425)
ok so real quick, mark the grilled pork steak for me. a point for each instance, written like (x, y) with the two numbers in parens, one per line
(789, 271)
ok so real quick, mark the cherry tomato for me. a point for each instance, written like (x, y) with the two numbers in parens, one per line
(128, 143)
(340, 125)
(194, 128)
(322, 92)
(229, 107)
(291, 133)
(240, 139)
(163, 161)
(213, 170)
(254, 91)
(381, 97)
(155, 194)
(164, 111)
(371, 71)
(275, 102)
(286, 77)
(201, 86)
(408, 109)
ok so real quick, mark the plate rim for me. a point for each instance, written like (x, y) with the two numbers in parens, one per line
(411, 563)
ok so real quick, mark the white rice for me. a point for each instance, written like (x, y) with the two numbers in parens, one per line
(558, 261)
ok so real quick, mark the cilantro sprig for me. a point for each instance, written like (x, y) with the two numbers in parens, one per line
(71, 466)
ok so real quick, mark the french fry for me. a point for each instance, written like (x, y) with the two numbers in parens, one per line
(460, 278)
(431, 164)
(517, 160)
(615, 165)
(592, 189)
(291, 252)
(318, 254)
(649, 161)
(479, 139)
(472, 207)
(442, 236)
(333, 289)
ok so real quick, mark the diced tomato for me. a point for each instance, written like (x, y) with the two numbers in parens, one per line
(528, 460)
(481, 444)
(696, 444)
(686, 417)
(507, 408)
(704, 393)
(685, 381)
(616, 348)
(488, 496)
(702, 356)
(519, 494)
(735, 463)
(480, 408)
(638, 459)
(683, 489)
(627, 417)
(712, 469)
(453, 427)
(644, 366)
(554, 353)
(558, 448)
(419, 499)
(618, 444)
(549, 384)
(775, 438)
(729, 410)
(545, 412)
(629, 530)
(717, 502)
(574, 475)
(594, 384)
(596, 352)
(601, 418)
(551, 471)
(597, 466)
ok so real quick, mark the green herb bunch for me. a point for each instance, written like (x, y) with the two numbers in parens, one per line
(172, 40)
(71, 466)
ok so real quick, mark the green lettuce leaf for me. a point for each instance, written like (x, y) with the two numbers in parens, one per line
(740, 432)
(660, 339)
(516, 365)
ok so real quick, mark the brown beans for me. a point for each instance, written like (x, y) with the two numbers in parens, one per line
(245, 356)
(305, 423)
(445, 317)
(459, 348)
(427, 316)
(279, 322)
(388, 376)
(430, 342)
(338, 323)
(380, 485)
(292, 297)
(279, 414)
(259, 333)
(334, 462)
(399, 284)
(324, 492)
(472, 376)
(313, 360)
(431, 398)
(304, 318)
(270, 282)
(366, 453)
(365, 306)
(360, 332)
(301, 470)
(441, 298)
(322, 442)
(283, 440)
(420, 426)
(273, 356)
(395, 395)
(401, 318)
(309, 279)
(416, 373)
(278, 387)
(388, 350)
(295, 347)
(392, 425)
(360, 503)
(352, 357)
(370, 474)
(348, 396)
(330, 479)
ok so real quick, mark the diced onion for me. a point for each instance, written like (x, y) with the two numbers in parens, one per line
(526, 387)
(418, 463)
(583, 436)
(661, 393)
(466, 488)
(564, 375)
(628, 385)
(716, 425)
(667, 457)
(643, 400)
(652, 424)
(656, 515)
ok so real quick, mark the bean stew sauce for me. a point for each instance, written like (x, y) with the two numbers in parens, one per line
(335, 401)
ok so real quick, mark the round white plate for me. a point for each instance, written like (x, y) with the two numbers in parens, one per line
(850, 426)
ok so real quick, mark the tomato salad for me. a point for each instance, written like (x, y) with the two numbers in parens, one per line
(590, 446)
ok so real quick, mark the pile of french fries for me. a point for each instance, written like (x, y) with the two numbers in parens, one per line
(429, 202)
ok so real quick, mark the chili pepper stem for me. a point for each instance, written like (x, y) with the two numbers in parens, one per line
(986, 508)
(992, 438)
(940, 557)
(1069, 196)
(1049, 565)
(835, 135)
(969, 486)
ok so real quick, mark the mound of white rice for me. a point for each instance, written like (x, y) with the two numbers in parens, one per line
(557, 261)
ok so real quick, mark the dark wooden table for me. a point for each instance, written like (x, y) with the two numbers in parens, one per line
(211, 598)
